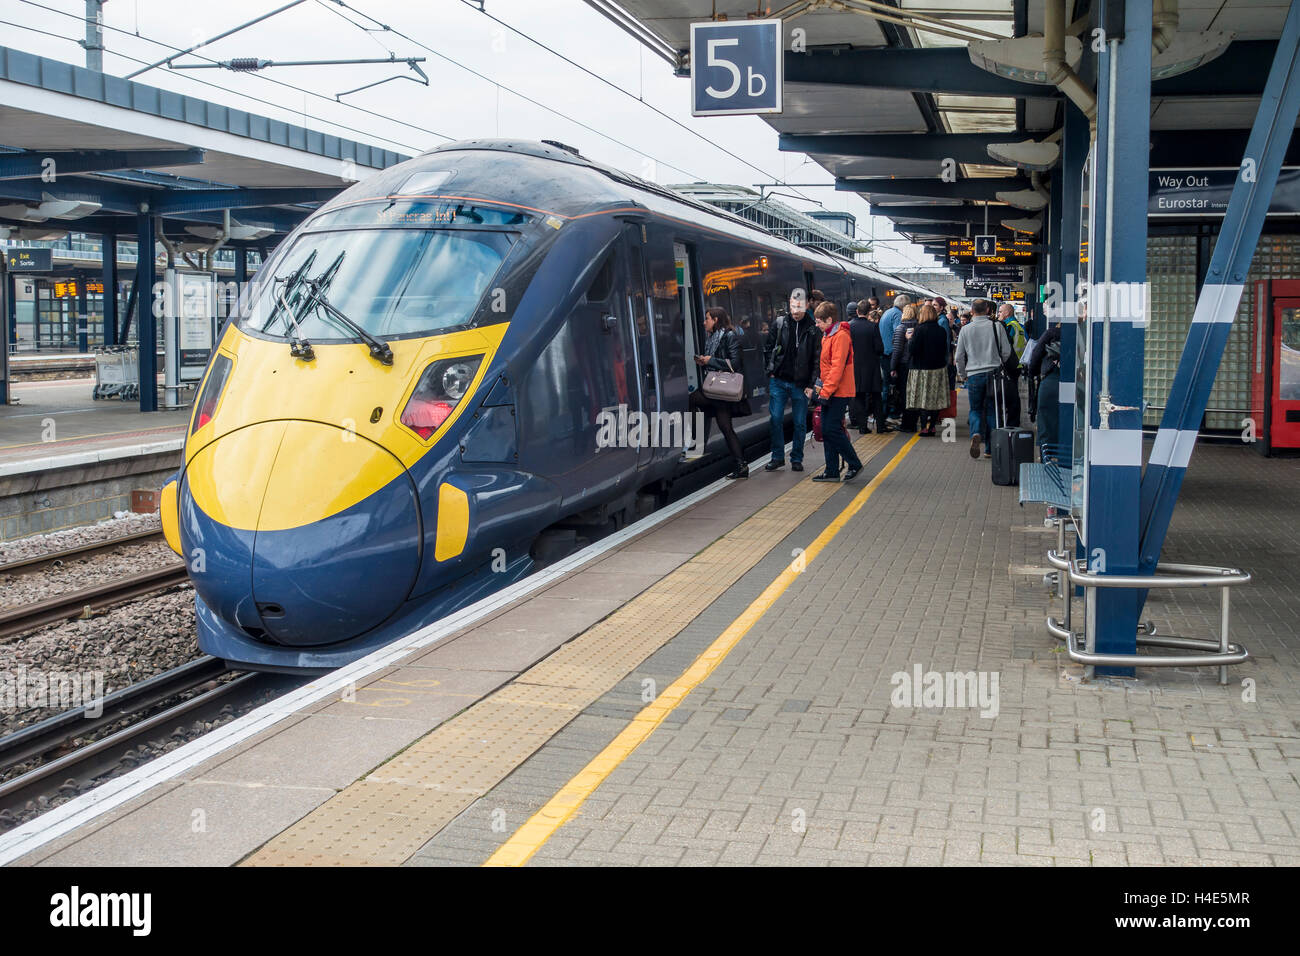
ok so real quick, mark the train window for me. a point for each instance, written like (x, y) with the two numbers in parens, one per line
(391, 282)
(603, 284)
(765, 312)
(419, 212)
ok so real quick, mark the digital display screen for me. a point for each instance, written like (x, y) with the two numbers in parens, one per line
(1017, 252)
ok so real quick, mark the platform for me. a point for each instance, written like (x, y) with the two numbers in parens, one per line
(67, 459)
(695, 696)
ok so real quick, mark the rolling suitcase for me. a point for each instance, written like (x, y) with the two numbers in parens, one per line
(1011, 446)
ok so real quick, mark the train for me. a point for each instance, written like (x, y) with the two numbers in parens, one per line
(404, 415)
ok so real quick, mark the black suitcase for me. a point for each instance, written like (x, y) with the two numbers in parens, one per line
(1012, 447)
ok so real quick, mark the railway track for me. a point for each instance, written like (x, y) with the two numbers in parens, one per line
(51, 739)
(61, 607)
(35, 563)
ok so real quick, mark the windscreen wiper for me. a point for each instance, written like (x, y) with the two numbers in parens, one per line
(286, 286)
(378, 347)
(316, 299)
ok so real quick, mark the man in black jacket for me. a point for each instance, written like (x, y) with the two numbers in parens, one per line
(792, 356)
(867, 352)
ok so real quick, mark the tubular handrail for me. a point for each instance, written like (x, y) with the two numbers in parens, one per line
(1194, 576)
(1218, 653)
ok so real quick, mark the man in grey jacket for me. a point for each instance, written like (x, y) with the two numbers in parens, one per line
(888, 323)
(982, 348)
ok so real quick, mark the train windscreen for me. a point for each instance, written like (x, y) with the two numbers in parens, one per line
(391, 282)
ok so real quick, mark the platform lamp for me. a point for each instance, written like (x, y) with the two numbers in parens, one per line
(1029, 226)
(1029, 154)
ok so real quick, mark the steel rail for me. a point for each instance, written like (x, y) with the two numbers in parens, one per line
(47, 735)
(24, 565)
(61, 607)
(110, 749)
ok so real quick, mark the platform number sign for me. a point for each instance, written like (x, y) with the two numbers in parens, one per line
(986, 246)
(736, 67)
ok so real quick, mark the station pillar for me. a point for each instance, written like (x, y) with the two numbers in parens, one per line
(83, 313)
(108, 245)
(1116, 326)
(8, 331)
(146, 327)
(1074, 154)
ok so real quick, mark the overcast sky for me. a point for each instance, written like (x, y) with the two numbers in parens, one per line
(575, 108)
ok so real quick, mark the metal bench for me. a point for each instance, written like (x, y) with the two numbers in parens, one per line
(1047, 482)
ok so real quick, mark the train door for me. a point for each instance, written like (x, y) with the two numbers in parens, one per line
(603, 365)
(641, 335)
(1275, 370)
(684, 261)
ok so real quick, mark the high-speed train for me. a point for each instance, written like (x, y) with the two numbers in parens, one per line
(406, 410)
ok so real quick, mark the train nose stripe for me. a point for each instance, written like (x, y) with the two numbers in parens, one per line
(314, 536)
(342, 572)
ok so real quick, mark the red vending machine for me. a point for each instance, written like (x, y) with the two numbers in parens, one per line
(1275, 366)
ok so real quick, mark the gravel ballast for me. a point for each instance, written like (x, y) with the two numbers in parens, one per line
(123, 523)
(115, 648)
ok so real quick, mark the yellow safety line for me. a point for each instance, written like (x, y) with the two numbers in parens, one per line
(542, 825)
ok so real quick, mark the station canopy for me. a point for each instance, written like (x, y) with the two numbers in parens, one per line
(84, 151)
(886, 92)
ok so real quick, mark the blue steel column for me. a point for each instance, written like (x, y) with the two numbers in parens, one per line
(1055, 224)
(146, 328)
(1216, 306)
(83, 315)
(1117, 252)
(241, 280)
(8, 328)
(108, 245)
(1074, 153)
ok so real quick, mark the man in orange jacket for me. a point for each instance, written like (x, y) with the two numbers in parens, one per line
(833, 391)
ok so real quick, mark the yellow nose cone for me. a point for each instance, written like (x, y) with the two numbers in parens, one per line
(274, 476)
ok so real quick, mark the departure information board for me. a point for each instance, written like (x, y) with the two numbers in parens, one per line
(1009, 252)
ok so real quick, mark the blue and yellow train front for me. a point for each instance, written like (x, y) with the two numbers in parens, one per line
(316, 495)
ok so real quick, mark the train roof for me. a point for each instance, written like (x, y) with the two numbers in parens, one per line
(563, 200)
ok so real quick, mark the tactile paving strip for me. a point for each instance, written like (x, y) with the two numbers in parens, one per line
(382, 819)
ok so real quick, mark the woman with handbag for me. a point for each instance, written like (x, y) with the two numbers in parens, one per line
(833, 392)
(724, 393)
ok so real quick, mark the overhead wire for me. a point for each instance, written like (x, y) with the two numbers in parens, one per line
(512, 90)
(341, 15)
(242, 93)
(640, 99)
(387, 28)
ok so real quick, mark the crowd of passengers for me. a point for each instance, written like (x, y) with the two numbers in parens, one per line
(891, 369)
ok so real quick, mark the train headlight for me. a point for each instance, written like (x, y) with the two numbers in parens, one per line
(212, 389)
(440, 389)
(456, 379)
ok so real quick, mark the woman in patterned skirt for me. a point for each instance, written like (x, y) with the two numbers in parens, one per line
(927, 361)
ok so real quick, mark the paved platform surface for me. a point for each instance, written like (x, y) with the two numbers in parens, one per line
(790, 745)
(54, 420)
(792, 751)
